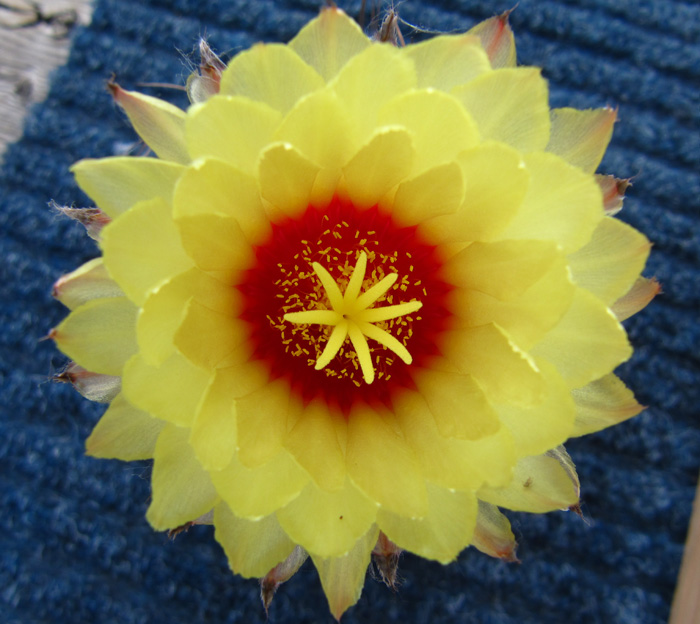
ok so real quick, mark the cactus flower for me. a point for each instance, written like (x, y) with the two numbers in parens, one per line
(358, 301)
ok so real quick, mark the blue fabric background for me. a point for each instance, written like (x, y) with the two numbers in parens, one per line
(74, 544)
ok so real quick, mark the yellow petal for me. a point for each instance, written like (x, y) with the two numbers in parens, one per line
(458, 404)
(506, 373)
(587, 343)
(603, 403)
(210, 339)
(165, 308)
(382, 465)
(540, 484)
(330, 148)
(611, 261)
(497, 40)
(386, 70)
(286, 179)
(262, 422)
(253, 547)
(495, 184)
(636, 298)
(160, 124)
(447, 61)
(234, 129)
(329, 41)
(212, 187)
(504, 269)
(216, 243)
(88, 282)
(93, 386)
(509, 105)
(545, 426)
(270, 73)
(181, 488)
(317, 443)
(492, 534)
(170, 392)
(443, 533)
(343, 578)
(253, 493)
(562, 204)
(117, 183)
(448, 462)
(581, 137)
(142, 248)
(379, 166)
(526, 318)
(339, 519)
(439, 190)
(99, 335)
(439, 126)
(124, 432)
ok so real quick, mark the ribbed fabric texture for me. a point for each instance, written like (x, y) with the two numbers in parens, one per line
(74, 544)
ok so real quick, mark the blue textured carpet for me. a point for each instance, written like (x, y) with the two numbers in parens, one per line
(74, 545)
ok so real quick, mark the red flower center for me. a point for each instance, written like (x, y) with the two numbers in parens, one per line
(284, 281)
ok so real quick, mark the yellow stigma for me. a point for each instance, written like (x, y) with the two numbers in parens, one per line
(352, 317)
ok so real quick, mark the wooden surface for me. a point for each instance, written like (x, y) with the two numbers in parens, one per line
(34, 39)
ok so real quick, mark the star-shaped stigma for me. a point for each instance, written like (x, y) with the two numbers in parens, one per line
(352, 317)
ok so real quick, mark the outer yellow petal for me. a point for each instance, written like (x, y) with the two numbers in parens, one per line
(603, 403)
(443, 533)
(339, 519)
(379, 166)
(328, 42)
(165, 308)
(526, 318)
(90, 281)
(587, 343)
(286, 179)
(99, 335)
(182, 489)
(386, 70)
(457, 403)
(448, 462)
(160, 124)
(439, 125)
(253, 493)
(509, 105)
(382, 465)
(437, 191)
(612, 260)
(506, 373)
(124, 432)
(343, 578)
(234, 129)
(262, 422)
(636, 298)
(447, 61)
(212, 187)
(563, 204)
(496, 182)
(253, 547)
(545, 426)
(170, 392)
(540, 484)
(211, 339)
(497, 39)
(581, 137)
(116, 184)
(317, 442)
(492, 534)
(142, 248)
(270, 73)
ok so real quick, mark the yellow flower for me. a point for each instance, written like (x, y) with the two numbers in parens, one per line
(358, 302)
